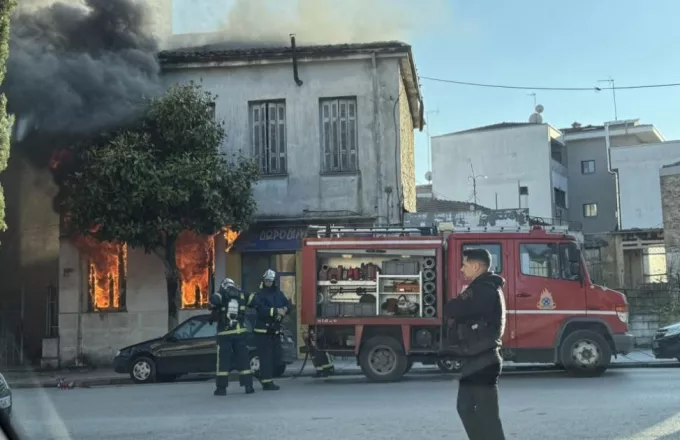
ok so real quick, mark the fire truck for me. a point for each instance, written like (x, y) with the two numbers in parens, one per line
(378, 294)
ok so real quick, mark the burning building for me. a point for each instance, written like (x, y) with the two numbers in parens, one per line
(196, 263)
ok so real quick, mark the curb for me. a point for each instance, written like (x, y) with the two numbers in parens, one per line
(113, 381)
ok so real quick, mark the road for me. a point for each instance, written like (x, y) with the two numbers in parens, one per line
(623, 404)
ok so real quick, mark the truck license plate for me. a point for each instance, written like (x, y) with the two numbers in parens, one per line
(6, 402)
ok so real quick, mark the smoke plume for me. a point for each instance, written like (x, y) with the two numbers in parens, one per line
(79, 67)
(269, 22)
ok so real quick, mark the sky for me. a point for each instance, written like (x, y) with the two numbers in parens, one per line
(530, 43)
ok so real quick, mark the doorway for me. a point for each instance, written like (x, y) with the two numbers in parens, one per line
(255, 264)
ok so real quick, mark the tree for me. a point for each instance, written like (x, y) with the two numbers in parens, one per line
(6, 121)
(146, 185)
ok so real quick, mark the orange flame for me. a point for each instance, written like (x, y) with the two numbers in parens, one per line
(230, 237)
(106, 271)
(195, 259)
(58, 157)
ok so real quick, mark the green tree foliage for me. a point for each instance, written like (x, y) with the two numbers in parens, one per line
(6, 121)
(146, 185)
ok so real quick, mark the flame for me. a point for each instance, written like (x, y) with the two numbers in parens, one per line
(58, 157)
(195, 259)
(106, 271)
(230, 237)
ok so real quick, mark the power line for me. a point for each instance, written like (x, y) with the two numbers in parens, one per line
(557, 89)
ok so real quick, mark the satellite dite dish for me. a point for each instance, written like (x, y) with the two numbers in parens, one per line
(536, 118)
(428, 176)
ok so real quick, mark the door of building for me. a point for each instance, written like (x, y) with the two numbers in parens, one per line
(253, 267)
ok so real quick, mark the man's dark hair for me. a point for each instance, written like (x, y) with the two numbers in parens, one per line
(479, 255)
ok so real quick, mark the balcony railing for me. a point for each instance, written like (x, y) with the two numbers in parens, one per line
(557, 167)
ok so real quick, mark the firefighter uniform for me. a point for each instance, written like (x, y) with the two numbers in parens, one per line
(322, 363)
(272, 307)
(228, 310)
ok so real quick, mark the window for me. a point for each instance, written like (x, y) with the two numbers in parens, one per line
(107, 276)
(339, 134)
(207, 330)
(590, 210)
(587, 167)
(195, 328)
(495, 251)
(187, 329)
(268, 135)
(523, 197)
(560, 198)
(549, 260)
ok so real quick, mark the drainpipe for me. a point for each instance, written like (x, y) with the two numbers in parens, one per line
(377, 145)
(608, 145)
(296, 76)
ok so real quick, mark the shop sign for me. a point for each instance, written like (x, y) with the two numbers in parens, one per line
(274, 239)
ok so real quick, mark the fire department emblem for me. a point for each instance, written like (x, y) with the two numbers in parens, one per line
(546, 301)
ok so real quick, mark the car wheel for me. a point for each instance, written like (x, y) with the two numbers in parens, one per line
(449, 366)
(143, 370)
(280, 370)
(382, 359)
(585, 353)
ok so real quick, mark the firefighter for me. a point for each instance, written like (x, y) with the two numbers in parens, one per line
(320, 359)
(228, 310)
(272, 307)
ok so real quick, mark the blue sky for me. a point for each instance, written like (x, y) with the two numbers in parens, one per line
(537, 44)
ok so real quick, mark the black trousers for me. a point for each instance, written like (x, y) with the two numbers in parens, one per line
(232, 354)
(269, 351)
(478, 404)
(321, 360)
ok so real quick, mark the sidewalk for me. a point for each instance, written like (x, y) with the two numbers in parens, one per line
(85, 378)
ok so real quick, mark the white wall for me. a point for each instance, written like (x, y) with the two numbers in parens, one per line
(305, 187)
(510, 158)
(638, 172)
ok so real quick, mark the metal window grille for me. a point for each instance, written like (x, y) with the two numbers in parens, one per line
(339, 134)
(268, 125)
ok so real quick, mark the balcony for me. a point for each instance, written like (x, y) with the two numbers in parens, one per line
(558, 168)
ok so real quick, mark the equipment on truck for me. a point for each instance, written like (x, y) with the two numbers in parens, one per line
(378, 294)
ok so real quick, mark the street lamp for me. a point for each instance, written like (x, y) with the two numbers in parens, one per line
(473, 178)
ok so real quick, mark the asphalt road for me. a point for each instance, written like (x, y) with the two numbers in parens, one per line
(623, 404)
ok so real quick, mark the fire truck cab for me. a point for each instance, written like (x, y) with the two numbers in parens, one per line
(378, 294)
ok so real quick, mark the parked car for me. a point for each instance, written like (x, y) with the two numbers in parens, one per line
(187, 349)
(5, 397)
(666, 342)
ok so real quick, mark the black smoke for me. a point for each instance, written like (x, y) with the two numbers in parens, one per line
(75, 72)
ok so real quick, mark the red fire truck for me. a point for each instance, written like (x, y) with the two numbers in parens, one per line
(378, 294)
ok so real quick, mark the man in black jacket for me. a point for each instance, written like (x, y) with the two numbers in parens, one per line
(479, 318)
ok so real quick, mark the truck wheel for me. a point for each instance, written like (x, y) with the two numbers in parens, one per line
(448, 365)
(585, 353)
(382, 359)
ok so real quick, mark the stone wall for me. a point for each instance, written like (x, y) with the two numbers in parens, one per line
(649, 310)
(670, 205)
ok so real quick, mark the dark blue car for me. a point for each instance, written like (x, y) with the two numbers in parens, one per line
(189, 348)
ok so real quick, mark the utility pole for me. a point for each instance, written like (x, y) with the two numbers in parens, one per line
(612, 85)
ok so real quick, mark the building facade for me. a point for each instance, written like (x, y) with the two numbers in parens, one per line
(504, 167)
(332, 129)
(593, 194)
